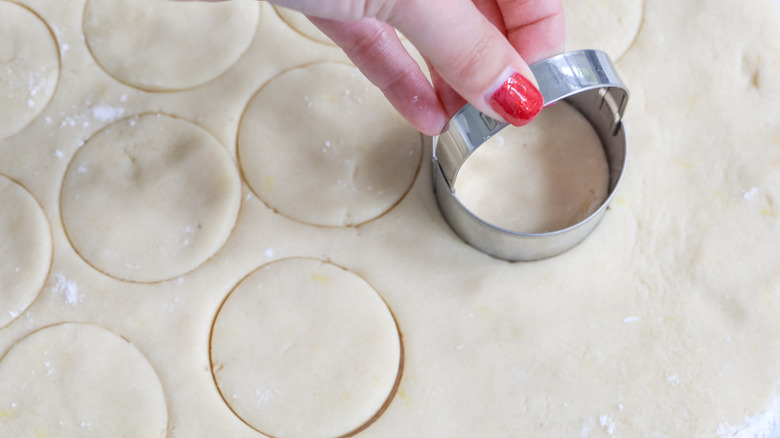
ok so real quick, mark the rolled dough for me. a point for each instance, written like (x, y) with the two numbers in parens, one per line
(302, 152)
(25, 250)
(662, 323)
(29, 67)
(303, 348)
(79, 380)
(150, 198)
(160, 45)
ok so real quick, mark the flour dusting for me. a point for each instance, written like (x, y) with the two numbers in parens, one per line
(105, 113)
(761, 425)
(67, 288)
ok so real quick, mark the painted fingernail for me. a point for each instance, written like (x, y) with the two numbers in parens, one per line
(517, 100)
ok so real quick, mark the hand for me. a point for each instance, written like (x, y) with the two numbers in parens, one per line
(477, 51)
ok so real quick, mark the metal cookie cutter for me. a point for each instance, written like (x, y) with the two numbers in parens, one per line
(587, 81)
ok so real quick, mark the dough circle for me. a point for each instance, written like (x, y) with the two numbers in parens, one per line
(557, 177)
(29, 67)
(150, 198)
(321, 145)
(303, 348)
(159, 45)
(298, 22)
(25, 250)
(608, 25)
(79, 380)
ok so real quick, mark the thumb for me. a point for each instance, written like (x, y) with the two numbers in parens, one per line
(471, 55)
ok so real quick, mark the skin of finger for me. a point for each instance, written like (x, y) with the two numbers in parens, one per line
(375, 49)
(536, 28)
(537, 32)
(466, 50)
(450, 98)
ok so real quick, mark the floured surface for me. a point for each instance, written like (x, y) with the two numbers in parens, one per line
(662, 323)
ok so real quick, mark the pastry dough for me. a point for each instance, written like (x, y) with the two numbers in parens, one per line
(25, 250)
(608, 25)
(150, 198)
(662, 323)
(79, 380)
(556, 179)
(160, 45)
(300, 23)
(29, 67)
(302, 154)
(303, 348)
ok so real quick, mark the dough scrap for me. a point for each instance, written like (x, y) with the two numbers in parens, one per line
(150, 198)
(320, 144)
(539, 178)
(25, 250)
(79, 380)
(29, 67)
(303, 348)
(159, 45)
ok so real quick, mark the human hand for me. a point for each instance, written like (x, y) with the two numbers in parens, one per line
(477, 51)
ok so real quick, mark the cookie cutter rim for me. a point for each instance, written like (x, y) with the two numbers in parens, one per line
(585, 79)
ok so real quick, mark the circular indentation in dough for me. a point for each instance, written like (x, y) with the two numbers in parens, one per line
(543, 177)
(29, 67)
(608, 25)
(25, 250)
(150, 198)
(161, 45)
(302, 25)
(303, 348)
(320, 144)
(79, 380)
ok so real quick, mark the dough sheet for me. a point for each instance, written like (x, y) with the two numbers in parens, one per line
(221, 229)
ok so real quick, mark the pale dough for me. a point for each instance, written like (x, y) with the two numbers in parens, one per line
(302, 348)
(150, 198)
(300, 23)
(29, 67)
(163, 45)
(537, 179)
(608, 25)
(78, 380)
(302, 152)
(25, 250)
(662, 323)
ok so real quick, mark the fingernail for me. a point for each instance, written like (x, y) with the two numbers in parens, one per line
(517, 100)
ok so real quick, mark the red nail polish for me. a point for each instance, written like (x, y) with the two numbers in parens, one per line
(517, 100)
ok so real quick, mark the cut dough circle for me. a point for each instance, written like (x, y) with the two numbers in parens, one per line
(321, 145)
(25, 250)
(160, 45)
(150, 198)
(557, 177)
(79, 380)
(303, 348)
(608, 25)
(302, 25)
(29, 67)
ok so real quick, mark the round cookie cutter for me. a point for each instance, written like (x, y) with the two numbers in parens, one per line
(586, 80)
